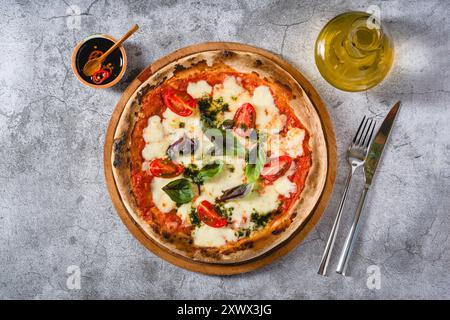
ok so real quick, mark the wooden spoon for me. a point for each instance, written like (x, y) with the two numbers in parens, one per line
(95, 64)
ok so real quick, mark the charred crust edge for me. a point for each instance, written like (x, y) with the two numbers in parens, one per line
(227, 53)
(141, 93)
(118, 146)
(284, 85)
(179, 67)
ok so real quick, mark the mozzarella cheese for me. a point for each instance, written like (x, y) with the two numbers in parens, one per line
(262, 202)
(233, 94)
(268, 118)
(206, 236)
(231, 176)
(284, 186)
(175, 126)
(275, 145)
(229, 90)
(291, 145)
(184, 212)
(154, 130)
(155, 150)
(153, 134)
(199, 89)
(294, 142)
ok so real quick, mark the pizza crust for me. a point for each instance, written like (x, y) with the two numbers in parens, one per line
(266, 239)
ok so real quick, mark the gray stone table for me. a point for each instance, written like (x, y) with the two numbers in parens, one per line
(55, 211)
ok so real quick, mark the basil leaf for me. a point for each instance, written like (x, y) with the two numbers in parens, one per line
(256, 162)
(182, 146)
(198, 176)
(236, 192)
(180, 191)
(192, 172)
(225, 142)
(233, 145)
(210, 170)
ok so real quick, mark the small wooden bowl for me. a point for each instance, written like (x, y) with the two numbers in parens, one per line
(118, 55)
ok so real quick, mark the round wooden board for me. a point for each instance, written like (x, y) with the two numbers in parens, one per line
(275, 253)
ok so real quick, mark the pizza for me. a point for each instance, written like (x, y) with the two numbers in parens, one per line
(219, 153)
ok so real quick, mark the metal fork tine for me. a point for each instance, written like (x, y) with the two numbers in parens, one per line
(366, 133)
(371, 133)
(363, 130)
(359, 128)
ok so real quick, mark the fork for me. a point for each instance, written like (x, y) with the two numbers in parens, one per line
(356, 156)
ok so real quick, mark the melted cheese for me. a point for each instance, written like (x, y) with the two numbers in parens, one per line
(155, 150)
(206, 236)
(294, 142)
(175, 126)
(229, 90)
(154, 130)
(199, 89)
(275, 145)
(232, 94)
(184, 212)
(291, 144)
(159, 197)
(231, 176)
(284, 186)
(268, 117)
(262, 203)
(153, 135)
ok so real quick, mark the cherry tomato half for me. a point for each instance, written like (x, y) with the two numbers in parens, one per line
(165, 168)
(209, 215)
(275, 168)
(179, 102)
(244, 120)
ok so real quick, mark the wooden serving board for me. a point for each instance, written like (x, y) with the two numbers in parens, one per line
(277, 252)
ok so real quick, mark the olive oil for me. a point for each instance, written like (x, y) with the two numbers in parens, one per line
(352, 53)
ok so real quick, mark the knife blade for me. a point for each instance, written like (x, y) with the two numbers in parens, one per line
(378, 143)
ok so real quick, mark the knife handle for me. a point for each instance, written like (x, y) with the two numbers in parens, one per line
(351, 238)
(332, 237)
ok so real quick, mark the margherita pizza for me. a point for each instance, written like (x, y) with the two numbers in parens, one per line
(221, 149)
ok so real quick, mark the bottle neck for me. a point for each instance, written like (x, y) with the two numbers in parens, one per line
(363, 38)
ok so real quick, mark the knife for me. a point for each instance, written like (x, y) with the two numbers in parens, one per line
(370, 166)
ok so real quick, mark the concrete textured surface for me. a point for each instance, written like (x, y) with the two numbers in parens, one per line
(55, 211)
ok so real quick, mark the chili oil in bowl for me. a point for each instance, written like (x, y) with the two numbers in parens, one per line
(113, 67)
